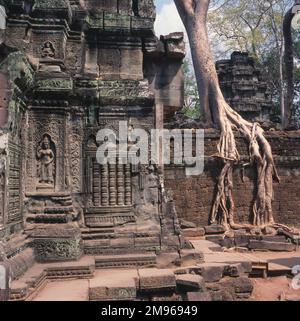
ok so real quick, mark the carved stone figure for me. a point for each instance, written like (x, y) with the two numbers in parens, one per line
(45, 156)
(48, 50)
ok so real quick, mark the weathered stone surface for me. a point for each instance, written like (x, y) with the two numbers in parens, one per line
(222, 295)
(290, 297)
(126, 261)
(186, 224)
(191, 256)
(241, 239)
(156, 280)
(242, 285)
(272, 246)
(57, 243)
(193, 232)
(217, 239)
(167, 260)
(239, 79)
(256, 231)
(84, 66)
(212, 272)
(199, 296)
(269, 230)
(190, 281)
(227, 242)
(186, 190)
(109, 285)
(214, 229)
(275, 238)
(174, 44)
(234, 270)
(294, 237)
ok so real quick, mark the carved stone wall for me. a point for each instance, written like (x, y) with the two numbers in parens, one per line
(53, 125)
(16, 75)
(89, 72)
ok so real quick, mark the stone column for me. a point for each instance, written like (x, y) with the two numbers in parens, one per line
(128, 200)
(96, 184)
(104, 185)
(112, 185)
(120, 184)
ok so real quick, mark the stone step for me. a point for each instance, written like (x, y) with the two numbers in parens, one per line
(97, 236)
(28, 285)
(114, 285)
(106, 247)
(214, 229)
(272, 246)
(156, 280)
(190, 282)
(295, 238)
(275, 238)
(125, 261)
(97, 230)
(193, 232)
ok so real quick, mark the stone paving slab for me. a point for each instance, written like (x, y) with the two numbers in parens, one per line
(72, 290)
(190, 281)
(156, 279)
(114, 285)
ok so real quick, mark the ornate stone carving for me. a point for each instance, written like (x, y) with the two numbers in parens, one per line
(52, 125)
(75, 140)
(48, 50)
(46, 161)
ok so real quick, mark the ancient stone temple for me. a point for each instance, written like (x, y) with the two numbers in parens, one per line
(244, 87)
(69, 69)
(75, 75)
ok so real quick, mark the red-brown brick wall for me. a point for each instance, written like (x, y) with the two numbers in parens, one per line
(194, 195)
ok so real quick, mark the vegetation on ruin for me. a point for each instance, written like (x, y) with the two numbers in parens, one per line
(216, 112)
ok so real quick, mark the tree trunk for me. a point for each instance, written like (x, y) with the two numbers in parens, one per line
(198, 40)
(194, 16)
(281, 86)
(289, 68)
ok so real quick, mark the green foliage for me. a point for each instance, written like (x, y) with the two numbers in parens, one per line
(191, 96)
(257, 27)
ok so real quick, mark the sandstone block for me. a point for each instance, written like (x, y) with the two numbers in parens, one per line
(190, 281)
(156, 280)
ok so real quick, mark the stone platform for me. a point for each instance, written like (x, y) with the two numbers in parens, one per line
(222, 276)
(134, 277)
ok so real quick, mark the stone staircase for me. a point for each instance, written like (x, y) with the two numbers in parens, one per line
(200, 282)
(104, 241)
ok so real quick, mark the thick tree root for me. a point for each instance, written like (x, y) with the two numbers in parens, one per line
(260, 154)
(193, 14)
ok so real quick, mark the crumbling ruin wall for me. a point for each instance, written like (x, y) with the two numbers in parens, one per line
(194, 195)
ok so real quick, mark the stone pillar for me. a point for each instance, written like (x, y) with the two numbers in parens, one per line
(128, 199)
(104, 185)
(120, 184)
(112, 185)
(96, 184)
(91, 67)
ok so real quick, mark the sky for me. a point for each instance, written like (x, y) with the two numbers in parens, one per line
(167, 19)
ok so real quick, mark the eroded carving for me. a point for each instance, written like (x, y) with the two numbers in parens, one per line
(48, 50)
(46, 161)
